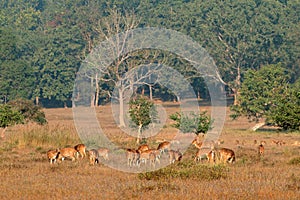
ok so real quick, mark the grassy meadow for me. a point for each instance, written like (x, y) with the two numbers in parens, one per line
(27, 174)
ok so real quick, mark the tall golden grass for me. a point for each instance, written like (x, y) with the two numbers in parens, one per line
(26, 173)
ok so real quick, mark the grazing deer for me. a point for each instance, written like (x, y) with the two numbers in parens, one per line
(211, 156)
(200, 156)
(152, 159)
(143, 147)
(278, 142)
(53, 155)
(67, 152)
(93, 156)
(145, 155)
(261, 150)
(103, 152)
(80, 148)
(133, 157)
(222, 154)
(164, 147)
(226, 155)
(174, 156)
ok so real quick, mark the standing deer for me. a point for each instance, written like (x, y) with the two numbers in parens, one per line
(197, 143)
(174, 156)
(93, 156)
(53, 155)
(143, 147)
(133, 157)
(164, 147)
(261, 150)
(226, 155)
(80, 148)
(67, 152)
(103, 152)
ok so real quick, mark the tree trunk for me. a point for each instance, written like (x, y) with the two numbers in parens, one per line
(92, 94)
(150, 91)
(97, 91)
(138, 139)
(257, 126)
(37, 100)
(121, 114)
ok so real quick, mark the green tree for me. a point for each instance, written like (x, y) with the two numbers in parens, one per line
(264, 94)
(142, 113)
(286, 112)
(192, 123)
(9, 116)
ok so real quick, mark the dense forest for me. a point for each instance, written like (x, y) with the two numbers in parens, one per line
(43, 42)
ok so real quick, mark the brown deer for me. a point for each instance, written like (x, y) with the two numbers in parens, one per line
(164, 147)
(223, 155)
(143, 147)
(145, 155)
(80, 148)
(93, 156)
(103, 152)
(211, 156)
(200, 155)
(53, 155)
(197, 143)
(261, 150)
(67, 152)
(278, 142)
(174, 156)
(133, 157)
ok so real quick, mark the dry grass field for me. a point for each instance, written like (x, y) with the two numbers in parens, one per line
(27, 174)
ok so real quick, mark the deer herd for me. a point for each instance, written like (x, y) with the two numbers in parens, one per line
(144, 154)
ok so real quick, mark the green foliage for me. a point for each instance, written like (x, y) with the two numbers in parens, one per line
(265, 93)
(142, 111)
(192, 123)
(29, 111)
(187, 170)
(9, 116)
(42, 43)
(286, 112)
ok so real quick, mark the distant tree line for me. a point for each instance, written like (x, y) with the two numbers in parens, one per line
(43, 42)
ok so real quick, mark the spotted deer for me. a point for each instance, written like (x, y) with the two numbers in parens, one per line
(174, 156)
(164, 147)
(103, 152)
(200, 155)
(197, 143)
(150, 153)
(261, 150)
(143, 147)
(133, 157)
(67, 152)
(53, 155)
(225, 155)
(93, 156)
(80, 148)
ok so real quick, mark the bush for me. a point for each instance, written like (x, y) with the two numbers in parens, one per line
(30, 111)
(192, 123)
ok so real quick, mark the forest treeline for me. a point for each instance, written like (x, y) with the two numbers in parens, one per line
(44, 42)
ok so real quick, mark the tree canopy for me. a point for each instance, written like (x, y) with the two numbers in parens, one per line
(43, 43)
(266, 94)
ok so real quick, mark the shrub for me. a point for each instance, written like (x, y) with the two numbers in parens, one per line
(192, 123)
